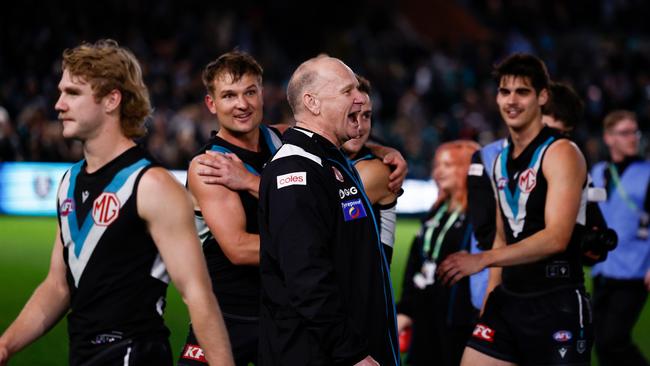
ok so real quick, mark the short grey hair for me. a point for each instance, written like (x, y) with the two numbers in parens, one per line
(300, 81)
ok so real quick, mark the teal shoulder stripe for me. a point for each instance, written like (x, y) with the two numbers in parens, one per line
(225, 150)
(72, 219)
(79, 236)
(364, 157)
(272, 140)
(514, 198)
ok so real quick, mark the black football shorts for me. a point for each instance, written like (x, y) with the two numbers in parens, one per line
(553, 328)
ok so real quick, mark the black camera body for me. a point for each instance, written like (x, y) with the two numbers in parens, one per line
(596, 243)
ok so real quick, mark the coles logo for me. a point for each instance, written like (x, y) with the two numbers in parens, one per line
(562, 336)
(483, 332)
(292, 179)
(194, 352)
(66, 207)
(527, 180)
(502, 183)
(348, 192)
(106, 209)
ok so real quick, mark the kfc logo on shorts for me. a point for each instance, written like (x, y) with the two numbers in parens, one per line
(527, 180)
(66, 207)
(194, 352)
(483, 332)
(292, 179)
(106, 209)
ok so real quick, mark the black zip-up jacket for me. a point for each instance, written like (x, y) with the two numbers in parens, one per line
(326, 292)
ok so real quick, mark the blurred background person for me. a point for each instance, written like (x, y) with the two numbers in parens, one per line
(442, 318)
(619, 292)
(10, 148)
(564, 112)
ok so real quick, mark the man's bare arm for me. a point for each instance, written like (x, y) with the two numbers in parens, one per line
(224, 213)
(171, 225)
(565, 170)
(395, 160)
(374, 175)
(226, 170)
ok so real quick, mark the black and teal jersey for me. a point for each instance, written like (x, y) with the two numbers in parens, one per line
(237, 287)
(521, 191)
(116, 276)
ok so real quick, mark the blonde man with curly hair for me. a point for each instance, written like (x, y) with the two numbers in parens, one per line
(125, 228)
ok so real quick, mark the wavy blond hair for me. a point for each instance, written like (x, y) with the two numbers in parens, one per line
(106, 67)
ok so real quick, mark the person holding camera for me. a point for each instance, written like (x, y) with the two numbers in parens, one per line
(564, 112)
(536, 311)
(622, 282)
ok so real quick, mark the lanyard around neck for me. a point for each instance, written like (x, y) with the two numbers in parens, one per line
(613, 172)
(428, 235)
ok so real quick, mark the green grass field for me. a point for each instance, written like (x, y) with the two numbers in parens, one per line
(25, 245)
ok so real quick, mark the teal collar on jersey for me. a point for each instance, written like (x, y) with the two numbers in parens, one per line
(513, 198)
(272, 141)
(362, 158)
(226, 150)
(79, 235)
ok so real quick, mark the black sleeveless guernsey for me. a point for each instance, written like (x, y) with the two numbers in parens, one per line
(521, 190)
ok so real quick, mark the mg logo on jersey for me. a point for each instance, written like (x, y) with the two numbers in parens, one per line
(106, 209)
(194, 352)
(67, 207)
(527, 180)
(483, 332)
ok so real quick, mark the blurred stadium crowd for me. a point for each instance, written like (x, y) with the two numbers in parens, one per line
(429, 62)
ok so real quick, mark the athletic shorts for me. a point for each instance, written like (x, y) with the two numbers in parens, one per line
(244, 337)
(124, 352)
(553, 328)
